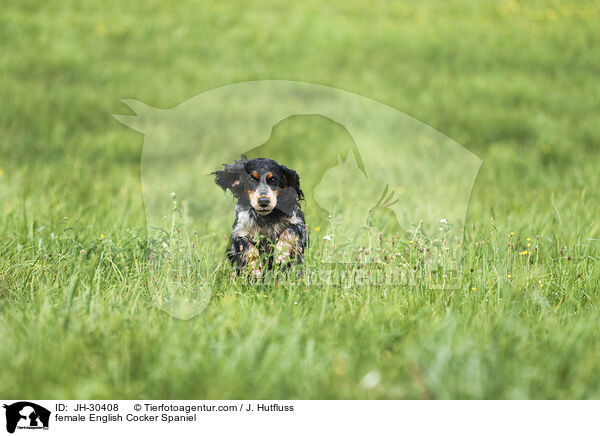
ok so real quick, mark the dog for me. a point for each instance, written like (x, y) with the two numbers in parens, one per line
(269, 224)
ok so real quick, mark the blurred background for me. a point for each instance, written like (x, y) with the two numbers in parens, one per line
(513, 82)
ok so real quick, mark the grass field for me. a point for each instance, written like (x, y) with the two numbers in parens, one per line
(516, 83)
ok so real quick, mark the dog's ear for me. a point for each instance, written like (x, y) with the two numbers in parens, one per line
(292, 180)
(231, 177)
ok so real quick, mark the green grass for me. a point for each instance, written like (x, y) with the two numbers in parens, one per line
(514, 83)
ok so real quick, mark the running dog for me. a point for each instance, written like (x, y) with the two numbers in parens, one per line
(269, 226)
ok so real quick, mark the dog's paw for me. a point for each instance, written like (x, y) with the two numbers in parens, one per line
(256, 270)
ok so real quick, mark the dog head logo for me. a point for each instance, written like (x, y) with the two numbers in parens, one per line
(26, 415)
(395, 175)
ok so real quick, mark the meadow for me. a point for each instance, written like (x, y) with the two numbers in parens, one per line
(516, 83)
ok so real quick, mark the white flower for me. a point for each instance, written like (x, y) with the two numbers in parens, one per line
(371, 379)
(327, 238)
(444, 221)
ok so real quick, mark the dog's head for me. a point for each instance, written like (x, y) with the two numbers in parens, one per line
(262, 184)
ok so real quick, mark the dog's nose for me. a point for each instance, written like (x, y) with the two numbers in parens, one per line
(263, 201)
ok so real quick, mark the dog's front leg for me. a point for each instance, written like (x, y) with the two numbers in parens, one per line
(252, 256)
(244, 255)
(285, 248)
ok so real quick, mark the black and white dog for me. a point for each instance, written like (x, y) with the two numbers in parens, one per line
(269, 224)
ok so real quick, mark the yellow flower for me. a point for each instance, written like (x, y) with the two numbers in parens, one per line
(101, 235)
(340, 369)
(529, 239)
(509, 276)
(100, 29)
(512, 233)
(1, 171)
(473, 288)
(524, 253)
(529, 244)
(317, 228)
(410, 242)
